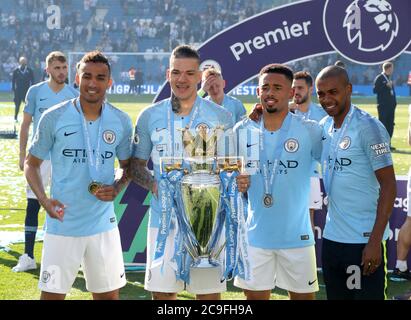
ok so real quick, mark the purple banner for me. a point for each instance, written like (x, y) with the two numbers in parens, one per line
(309, 28)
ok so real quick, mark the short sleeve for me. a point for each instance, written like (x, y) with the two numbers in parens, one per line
(375, 142)
(43, 137)
(30, 101)
(315, 132)
(123, 149)
(142, 144)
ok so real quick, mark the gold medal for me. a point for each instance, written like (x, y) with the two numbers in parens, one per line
(93, 187)
(268, 200)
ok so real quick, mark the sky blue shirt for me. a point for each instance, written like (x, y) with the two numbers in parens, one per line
(355, 189)
(315, 113)
(40, 97)
(60, 134)
(287, 223)
(233, 105)
(152, 135)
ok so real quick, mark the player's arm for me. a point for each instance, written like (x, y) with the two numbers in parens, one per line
(375, 142)
(54, 208)
(110, 192)
(23, 138)
(141, 175)
(371, 258)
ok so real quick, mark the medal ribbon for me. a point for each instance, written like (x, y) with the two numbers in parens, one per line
(269, 182)
(93, 160)
(328, 172)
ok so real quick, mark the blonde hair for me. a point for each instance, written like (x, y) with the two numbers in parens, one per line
(55, 55)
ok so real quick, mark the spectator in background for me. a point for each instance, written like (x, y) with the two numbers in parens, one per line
(22, 80)
(213, 84)
(139, 80)
(132, 78)
(386, 99)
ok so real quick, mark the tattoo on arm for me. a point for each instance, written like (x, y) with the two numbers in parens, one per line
(139, 173)
(121, 182)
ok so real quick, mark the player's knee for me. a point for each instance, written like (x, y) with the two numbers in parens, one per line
(164, 295)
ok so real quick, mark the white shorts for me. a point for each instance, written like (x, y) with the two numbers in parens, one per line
(45, 172)
(316, 200)
(100, 256)
(293, 270)
(202, 280)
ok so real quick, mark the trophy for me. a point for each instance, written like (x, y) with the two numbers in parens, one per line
(200, 188)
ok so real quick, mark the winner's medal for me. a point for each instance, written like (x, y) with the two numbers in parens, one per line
(93, 158)
(93, 187)
(268, 200)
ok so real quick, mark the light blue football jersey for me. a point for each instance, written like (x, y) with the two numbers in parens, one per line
(152, 135)
(40, 97)
(286, 224)
(315, 113)
(233, 105)
(363, 149)
(60, 134)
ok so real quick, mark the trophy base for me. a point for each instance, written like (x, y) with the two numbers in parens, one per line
(205, 262)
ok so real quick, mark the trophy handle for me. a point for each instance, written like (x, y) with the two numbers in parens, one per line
(230, 164)
(168, 164)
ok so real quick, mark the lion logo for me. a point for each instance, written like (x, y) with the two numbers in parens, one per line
(365, 17)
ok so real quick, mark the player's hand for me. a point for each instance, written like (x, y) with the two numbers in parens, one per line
(54, 208)
(207, 83)
(256, 113)
(292, 107)
(22, 158)
(243, 182)
(371, 257)
(106, 192)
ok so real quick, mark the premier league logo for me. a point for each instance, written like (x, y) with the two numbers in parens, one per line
(371, 17)
(367, 31)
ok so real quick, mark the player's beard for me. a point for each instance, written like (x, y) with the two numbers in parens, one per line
(271, 110)
(57, 80)
(302, 99)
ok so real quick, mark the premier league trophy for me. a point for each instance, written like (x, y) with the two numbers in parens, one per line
(200, 194)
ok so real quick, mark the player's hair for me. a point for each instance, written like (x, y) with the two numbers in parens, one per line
(386, 65)
(305, 75)
(278, 68)
(333, 72)
(212, 72)
(185, 51)
(339, 63)
(95, 57)
(55, 55)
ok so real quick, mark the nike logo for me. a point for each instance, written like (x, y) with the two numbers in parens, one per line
(249, 145)
(159, 129)
(323, 138)
(311, 282)
(69, 134)
(42, 99)
(316, 201)
(122, 275)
